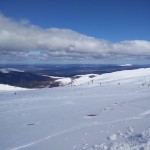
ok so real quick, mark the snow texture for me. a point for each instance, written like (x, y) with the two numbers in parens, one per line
(64, 81)
(4, 87)
(87, 116)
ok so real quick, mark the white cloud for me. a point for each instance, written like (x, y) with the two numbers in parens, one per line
(22, 39)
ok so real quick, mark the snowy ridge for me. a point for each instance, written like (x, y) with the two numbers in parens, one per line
(113, 77)
(4, 87)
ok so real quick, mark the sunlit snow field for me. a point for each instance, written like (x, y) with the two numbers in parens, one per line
(107, 112)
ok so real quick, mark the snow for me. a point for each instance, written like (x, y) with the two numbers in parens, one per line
(8, 70)
(146, 113)
(54, 77)
(85, 79)
(56, 118)
(124, 65)
(112, 137)
(4, 70)
(16, 70)
(134, 141)
(4, 87)
(64, 81)
(115, 77)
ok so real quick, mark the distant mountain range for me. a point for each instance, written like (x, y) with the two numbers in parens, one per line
(25, 79)
(55, 75)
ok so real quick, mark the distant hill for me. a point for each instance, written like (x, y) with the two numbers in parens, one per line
(25, 79)
(54, 76)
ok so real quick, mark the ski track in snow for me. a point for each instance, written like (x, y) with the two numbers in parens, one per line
(147, 112)
(34, 108)
(79, 128)
(78, 95)
(140, 116)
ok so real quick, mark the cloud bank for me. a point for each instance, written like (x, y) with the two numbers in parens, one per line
(23, 40)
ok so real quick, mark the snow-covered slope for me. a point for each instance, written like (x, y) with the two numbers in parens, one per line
(64, 81)
(94, 116)
(115, 77)
(4, 87)
(81, 79)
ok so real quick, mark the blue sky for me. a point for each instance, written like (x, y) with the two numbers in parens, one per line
(119, 23)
